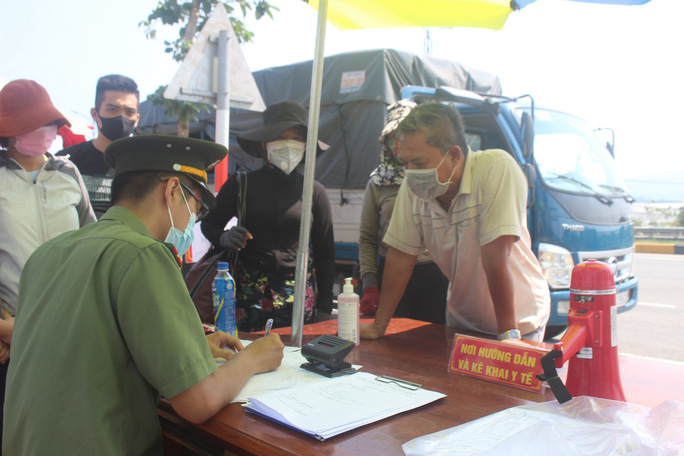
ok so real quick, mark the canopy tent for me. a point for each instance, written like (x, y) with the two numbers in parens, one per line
(380, 11)
(315, 101)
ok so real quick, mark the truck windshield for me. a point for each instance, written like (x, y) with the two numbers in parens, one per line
(571, 158)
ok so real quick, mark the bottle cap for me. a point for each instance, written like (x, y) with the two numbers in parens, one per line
(222, 266)
(348, 286)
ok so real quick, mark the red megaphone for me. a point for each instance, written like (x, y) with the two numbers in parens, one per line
(590, 342)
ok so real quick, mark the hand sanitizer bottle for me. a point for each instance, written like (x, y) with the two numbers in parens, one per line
(348, 313)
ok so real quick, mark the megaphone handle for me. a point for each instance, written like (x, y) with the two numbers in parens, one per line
(550, 376)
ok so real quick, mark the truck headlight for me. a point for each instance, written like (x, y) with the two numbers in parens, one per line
(563, 307)
(556, 264)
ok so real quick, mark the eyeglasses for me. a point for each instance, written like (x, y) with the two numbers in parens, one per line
(204, 208)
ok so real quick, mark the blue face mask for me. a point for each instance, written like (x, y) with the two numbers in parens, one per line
(181, 240)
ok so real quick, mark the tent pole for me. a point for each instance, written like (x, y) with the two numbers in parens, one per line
(222, 106)
(309, 171)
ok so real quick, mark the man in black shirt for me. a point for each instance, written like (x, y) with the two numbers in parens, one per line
(116, 115)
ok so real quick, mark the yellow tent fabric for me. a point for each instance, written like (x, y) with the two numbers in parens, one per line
(360, 14)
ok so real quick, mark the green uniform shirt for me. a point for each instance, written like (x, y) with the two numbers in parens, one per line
(104, 324)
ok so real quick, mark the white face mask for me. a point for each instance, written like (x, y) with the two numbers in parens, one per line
(425, 182)
(285, 154)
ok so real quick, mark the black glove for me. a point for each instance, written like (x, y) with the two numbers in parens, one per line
(235, 238)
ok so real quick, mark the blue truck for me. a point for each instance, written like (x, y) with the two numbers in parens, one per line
(578, 205)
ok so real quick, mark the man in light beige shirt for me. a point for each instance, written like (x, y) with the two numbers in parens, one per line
(469, 211)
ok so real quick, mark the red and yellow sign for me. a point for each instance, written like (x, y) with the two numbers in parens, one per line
(510, 362)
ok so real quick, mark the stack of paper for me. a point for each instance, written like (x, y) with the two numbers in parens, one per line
(326, 409)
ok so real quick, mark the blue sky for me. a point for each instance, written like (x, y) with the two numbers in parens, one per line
(615, 66)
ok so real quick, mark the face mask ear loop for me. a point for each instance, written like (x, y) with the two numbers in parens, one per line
(452, 172)
(170, 216)
(186, 202)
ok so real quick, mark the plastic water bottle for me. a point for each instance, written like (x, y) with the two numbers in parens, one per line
(348, 313)
(223, 291)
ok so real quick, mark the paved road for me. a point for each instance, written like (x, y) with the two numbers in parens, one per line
(655, 327)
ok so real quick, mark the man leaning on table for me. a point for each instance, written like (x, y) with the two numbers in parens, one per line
(105, 323)
(469, 210)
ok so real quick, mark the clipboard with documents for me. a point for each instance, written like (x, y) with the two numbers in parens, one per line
(326, 409)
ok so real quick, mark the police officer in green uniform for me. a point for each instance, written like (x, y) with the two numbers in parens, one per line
(105, 323)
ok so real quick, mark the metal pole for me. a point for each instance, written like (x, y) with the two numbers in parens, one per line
(309, 170)
(222, 105)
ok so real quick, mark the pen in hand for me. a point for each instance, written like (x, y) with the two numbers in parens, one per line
(269, 323)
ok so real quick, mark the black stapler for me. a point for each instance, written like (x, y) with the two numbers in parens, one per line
(326, 356)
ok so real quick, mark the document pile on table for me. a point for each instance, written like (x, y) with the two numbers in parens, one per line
(331, 407)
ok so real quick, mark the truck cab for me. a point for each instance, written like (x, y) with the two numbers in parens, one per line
(578, 204)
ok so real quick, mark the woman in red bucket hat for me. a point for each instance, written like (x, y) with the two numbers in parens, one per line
(41, 196)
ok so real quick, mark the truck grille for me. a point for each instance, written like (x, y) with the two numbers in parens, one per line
(620, 261)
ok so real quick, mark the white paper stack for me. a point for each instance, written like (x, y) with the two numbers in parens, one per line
(329, 408)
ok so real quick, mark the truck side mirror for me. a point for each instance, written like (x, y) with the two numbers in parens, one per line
(610, 144)
(527, 132)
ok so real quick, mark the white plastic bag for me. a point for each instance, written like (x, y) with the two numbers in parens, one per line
(584, 426)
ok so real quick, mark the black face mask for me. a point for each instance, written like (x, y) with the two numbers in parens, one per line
(114, 128)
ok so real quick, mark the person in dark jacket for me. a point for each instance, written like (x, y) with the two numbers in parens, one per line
(116, 114)
(269, 240)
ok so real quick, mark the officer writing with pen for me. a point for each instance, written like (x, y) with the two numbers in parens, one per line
(105, 324)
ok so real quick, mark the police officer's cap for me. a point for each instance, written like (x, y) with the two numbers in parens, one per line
(174, 154)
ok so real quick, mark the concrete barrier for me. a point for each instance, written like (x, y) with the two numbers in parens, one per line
(650, 247)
